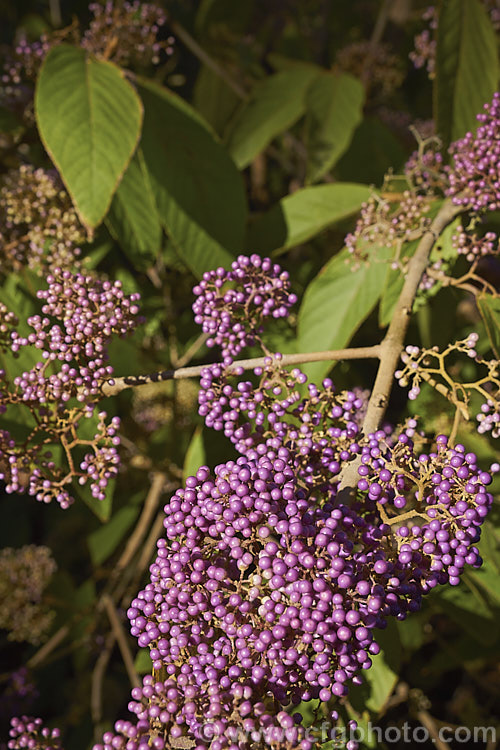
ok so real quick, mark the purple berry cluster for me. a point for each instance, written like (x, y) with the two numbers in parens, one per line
(474, 247)
(127, 32)
(79, 317)
(268, 588)
(231, 305)
(27, 732)
(474, 181)
(18, 695)
(444, 491)
(424, 53)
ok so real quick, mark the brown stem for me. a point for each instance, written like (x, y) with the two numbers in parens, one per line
(429, 723)
(393, 342)
(97, 681)
(205, 58)
(116, 385)
(48, 647)
(121, 638)
(116, 584)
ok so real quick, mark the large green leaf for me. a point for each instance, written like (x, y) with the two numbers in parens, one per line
(335, 304)
(374, 150)
(275, 105)
(89, 118)
(195, 454)
(470, 608)
(103, 541)
(303, 214)
(381, 678)
(334, 109)
(213, 99)
(489, 307)
(198, 190)
(133, 217)
(466, 66)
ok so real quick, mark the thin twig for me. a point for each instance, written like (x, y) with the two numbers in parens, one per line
(135, 539)
(392, 345)
(48, 647)
(97, 681)
(185, 37)
(116, 385)
(191, 350)
(376, 38)
(121, 638)
(429, 723)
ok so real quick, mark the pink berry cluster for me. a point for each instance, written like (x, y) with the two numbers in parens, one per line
(69, 341)
(40, 228)
(425, 168)
(24, 575)
(375, 64)
(28, 732)
(80, 316)
(424, 53)
(389, 223)
(474, 181)
(8, 323)
(474, 247)
(127, 32)
(231, 305)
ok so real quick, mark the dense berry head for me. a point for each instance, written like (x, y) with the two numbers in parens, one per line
(379, 68)
(79, 317)
(473, 175)
(24, 574)
(388, 223)
(232, 305)
(40, 228)
(127, 32)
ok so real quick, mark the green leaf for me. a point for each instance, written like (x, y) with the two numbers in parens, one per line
(133, 217)
(469, 608)
(195, 454)
(103, 541)
(89, 118)
(489, 307)
(335, 304)
(466, 67)
(9, 122)
(304, 214)
(143, 663)
(274, 105)
(334, 110)
(373, 151)
(198, 190)
(101, 508)
(213, 99)
(379, 681)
